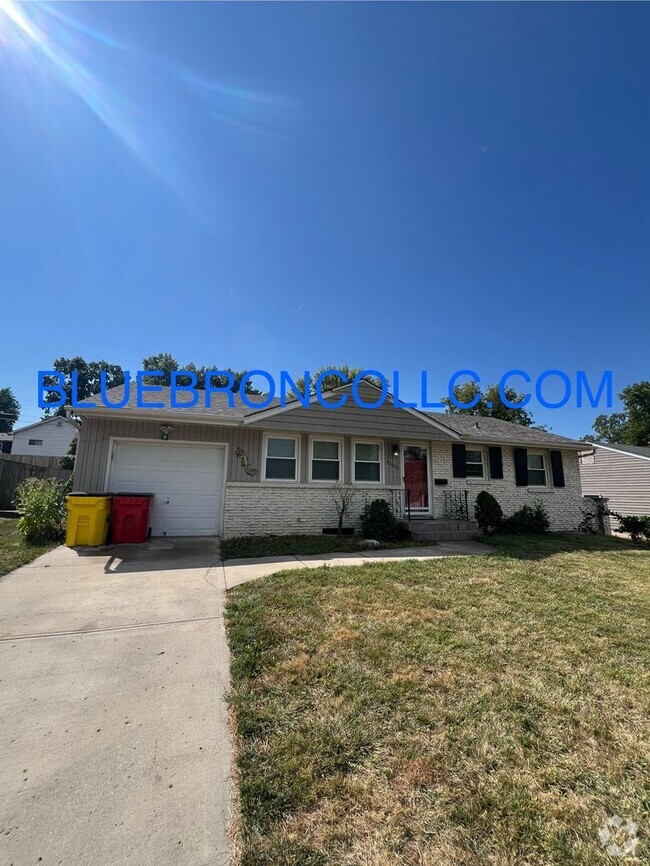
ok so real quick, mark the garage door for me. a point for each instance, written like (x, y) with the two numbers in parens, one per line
(187, 481)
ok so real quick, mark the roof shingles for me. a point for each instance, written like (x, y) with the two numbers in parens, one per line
(469, 427)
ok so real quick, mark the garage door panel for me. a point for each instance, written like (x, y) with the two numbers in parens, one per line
(187, 481)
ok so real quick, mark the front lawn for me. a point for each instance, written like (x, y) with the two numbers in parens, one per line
(14, 550)
(479, 711)
(246, 547)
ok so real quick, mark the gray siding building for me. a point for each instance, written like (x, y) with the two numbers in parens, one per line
(621, 473)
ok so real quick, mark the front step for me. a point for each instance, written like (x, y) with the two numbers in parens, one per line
(443, 535)
(445, 529)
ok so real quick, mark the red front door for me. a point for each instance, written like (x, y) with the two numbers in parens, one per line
(416, 478)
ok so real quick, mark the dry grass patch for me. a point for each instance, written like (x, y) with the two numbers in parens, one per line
(487, 711)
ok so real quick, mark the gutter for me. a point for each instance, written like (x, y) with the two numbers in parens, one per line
(155, 415)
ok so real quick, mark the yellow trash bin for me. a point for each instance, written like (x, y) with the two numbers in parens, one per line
(88, 517)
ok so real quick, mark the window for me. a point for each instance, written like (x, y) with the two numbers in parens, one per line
(35, 441)
(474, 463)
(325, 460)
(367, 462)
(280, 458)
(536, 469)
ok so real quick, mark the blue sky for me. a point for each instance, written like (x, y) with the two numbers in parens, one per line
(280, 186)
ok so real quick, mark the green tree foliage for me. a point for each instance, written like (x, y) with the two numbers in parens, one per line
(331, 382)
(630, 427)
(489, 403)
(67, 462)
(88, 380)
(168, 365)
(9, 410)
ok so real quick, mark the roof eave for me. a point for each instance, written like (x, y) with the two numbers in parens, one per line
(570, 445)
(160, 415)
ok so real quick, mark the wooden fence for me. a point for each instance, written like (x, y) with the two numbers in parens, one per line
(14, 468)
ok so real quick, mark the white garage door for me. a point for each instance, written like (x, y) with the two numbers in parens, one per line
(187, 481)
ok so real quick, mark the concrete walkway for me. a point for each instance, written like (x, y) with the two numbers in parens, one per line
(113, 737)
(237, 571)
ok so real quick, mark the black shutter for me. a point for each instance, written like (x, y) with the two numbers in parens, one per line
(496, 462)
(557, 469)
(521, 467)
(459, 460)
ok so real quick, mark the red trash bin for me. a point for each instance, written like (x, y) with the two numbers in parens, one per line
(131, 517)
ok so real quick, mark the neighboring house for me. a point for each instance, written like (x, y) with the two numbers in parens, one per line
(241, 471)
(621, 473)
(6, 441)
(48, 438)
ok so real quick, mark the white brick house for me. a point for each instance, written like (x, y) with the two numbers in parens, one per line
(244, 471)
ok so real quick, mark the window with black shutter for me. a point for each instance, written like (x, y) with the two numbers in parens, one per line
(557, 469)
(521, 467)
(459, 460)
(496, 462)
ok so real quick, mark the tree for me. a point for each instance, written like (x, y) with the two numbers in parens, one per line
(333, 381)
(343, 498)
(168, 365)
(67, 462)
(88, 380)
(9, 410)
(164, 362)
(607, 428)
(489, 404)
(630, 427)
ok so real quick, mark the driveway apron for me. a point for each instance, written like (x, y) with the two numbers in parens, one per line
(113, 736)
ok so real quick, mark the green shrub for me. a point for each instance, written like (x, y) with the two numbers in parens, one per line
(637, 526)
(379, 522)
(529, 520)
(488, 513)
(41, 503)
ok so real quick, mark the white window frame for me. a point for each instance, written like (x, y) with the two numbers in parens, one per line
(265, 449)
(339, 442)
(542, 454)
(380, 445)
(484, 475)
(35, 443)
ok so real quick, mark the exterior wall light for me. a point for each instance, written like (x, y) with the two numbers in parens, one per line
(396, 450)
(166, 431)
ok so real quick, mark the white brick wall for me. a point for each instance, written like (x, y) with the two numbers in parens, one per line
(259, 508)
(562, 503)
(282, 509)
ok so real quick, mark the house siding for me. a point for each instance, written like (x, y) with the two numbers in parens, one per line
(96, 433)
(622, 478)
(93, 449)
(352, 420)
(56, 440)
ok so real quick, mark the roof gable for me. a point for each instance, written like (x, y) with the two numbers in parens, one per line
(45, 421)
(640, 451)
(368, 393)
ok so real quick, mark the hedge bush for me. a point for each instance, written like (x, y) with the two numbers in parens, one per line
(41, 503)
(637, 526)
(488, 513)
(529, 520)
(379, 522)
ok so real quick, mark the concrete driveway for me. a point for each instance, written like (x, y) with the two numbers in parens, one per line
(113, 739)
